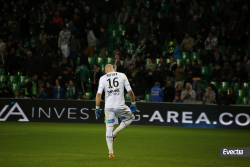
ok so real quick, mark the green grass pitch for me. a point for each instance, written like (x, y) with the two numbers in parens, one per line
(74, 145)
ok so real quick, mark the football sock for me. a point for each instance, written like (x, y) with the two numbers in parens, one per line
(122, 126)
(109, 138)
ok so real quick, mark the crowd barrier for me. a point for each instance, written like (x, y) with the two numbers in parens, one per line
(162, 114)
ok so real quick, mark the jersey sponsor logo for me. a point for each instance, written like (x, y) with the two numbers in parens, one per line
(113, 92)
(11, 112)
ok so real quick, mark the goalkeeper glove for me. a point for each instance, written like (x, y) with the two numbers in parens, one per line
(133, 107)
(98, 111)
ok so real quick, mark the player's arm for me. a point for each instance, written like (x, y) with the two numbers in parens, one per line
(130, 94)
(98, 98)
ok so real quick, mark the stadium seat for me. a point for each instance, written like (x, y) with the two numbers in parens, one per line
(91, 61)
(126, 97)
(204, 83)
(3, 78)
(114, 33)
(214, 9)
(139, 28)
(240, 93)
(216, 84)
(156, 61)
(245, 86)
(238, 102)
(129, 9)
(88, 95)
(244, 101)
(147, 97)
(22, 80)
(185, 55)
(109, 60)
(224, 85)
(79, 96)
(15, 87)
(97, 53)
(115, 40)
(12, 79)
(178, 61)
(222, 49)
(1, 71)
(195, 56)
(102, 68)
(236, 86)
(167, 60)
(111, 27)
(19, 73)
(165, 47)
(210, 70)
(204, 70)
(100, 61)
(120, 27)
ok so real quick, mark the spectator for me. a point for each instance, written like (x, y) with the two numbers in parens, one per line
(129, 60)
(140, 49)
(65, 64)
(72, 91)
(67, 76)
(169, 93)
(246, 63)
(226, 73)
(86, 14)
(16, 96)
(104, 42)
(178, 90)
(233, 61)
(217, 56)
(144, 28)
(211, 42)
(131, 32)
(95, 77)
(91, 42)
(216, 74)
(123, 16)
(177, 100)
(239, 74)
(140, 82)
(196, 73)
(189, 72)
(156, 93)
(204, 18)
(198, 43)
(30, 87)
(58, 91)
(139, 62)
(55, 72)
(193, 26)
(170, 51)
(160, 71)
(200, 91)
(224, 99)
(176, 52)
(188, 96)
(84, 97)
(232, 97)
(150, 69)
(43, 49)
(136, 15)
(235, 32)
(72, 28)
(154, 51)
(42, 35)
(48, 90)
(206, 58)
(187, 43)
(170, 69)
(209, 96)
(63, 41)
(2, 46)
(179, 75)
(41, 94)
(119, 67)
(5, 91)
(84, 77)
(74, 47)
(179, 28)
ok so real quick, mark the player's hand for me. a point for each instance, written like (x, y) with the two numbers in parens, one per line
(133, 108)
(98, 112)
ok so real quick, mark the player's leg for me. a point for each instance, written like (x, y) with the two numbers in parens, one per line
(126, 116)
(110, 119)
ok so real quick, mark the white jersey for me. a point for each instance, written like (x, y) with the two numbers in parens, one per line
(113, 83)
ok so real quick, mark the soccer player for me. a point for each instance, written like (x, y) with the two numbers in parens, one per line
(113, 83)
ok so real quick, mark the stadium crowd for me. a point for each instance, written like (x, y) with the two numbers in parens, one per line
(187, 51)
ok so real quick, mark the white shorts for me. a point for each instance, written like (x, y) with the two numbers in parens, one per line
(112, 115)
